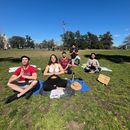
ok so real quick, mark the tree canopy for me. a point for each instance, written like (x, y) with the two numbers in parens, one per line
(88, 40)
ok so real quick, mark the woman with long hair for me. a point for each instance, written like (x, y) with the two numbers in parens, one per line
(53, 70)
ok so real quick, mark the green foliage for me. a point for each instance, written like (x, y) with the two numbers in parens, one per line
(47, 44)
(21, 42)
(17, 42)
(88, 40)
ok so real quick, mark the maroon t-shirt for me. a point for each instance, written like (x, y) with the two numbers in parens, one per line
(28, 71)
(64, 62)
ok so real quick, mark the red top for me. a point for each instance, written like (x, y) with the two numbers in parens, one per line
(28, 71)
(64, 62)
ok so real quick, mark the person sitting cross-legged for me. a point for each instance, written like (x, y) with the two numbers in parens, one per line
(92, 65)
(53, 70)
(75, 59)
(23, 80)
(65, 63)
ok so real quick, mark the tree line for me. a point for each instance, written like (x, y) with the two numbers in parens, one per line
(89, 40)
(82, 41)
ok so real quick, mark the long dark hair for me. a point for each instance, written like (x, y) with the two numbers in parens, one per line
(50, 62)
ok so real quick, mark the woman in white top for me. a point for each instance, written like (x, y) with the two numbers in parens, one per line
(53, 70)
(92, 64)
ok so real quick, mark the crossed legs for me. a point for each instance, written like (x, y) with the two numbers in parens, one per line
(22, 91)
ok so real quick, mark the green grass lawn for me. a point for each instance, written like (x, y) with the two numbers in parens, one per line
(101, 108)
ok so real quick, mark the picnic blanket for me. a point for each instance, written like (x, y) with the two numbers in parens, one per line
(84, 86)
(38, 87)
(102, 68)
(40, 84)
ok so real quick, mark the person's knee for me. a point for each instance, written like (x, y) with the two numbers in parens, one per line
(9, 84)
(34, 82)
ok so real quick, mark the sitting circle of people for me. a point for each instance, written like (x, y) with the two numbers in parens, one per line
(24, 79)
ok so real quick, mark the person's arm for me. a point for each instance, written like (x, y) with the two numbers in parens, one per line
(13, 78)
(71, 51)
(97, 63)
(76, 51)
(68, 65)
(32, 77)
(88, 63)
(16, 75)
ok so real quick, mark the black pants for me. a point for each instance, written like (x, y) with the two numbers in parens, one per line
(92, 68)
(69, 71)
(51, 83)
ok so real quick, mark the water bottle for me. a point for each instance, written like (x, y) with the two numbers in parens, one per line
(73, 75)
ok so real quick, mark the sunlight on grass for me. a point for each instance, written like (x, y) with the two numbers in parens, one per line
(101, 108)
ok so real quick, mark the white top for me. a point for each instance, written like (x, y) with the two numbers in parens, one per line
(93, 62)
(52, 69)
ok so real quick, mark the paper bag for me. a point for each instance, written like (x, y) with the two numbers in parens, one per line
(103, 79)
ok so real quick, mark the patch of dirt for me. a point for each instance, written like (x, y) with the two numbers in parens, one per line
(73, 125)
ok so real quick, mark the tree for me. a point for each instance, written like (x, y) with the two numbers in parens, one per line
(29, 42)
(68, 39)
(47, 44)
(106, 40)
(78, 38)
(93, 41)
(17, 42)
(88, 40)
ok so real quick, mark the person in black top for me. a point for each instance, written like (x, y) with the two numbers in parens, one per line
(75, 59)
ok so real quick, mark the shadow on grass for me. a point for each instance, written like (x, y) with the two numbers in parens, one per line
(12, 59)
(113, 58)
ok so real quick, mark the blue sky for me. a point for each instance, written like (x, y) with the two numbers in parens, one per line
(42, 19)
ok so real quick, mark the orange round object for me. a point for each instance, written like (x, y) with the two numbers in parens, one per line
(76, 86)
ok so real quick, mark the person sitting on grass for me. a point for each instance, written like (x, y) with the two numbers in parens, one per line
(92, 65)
(65, 63)
(75, 59)
(23, 80)
(53, 70)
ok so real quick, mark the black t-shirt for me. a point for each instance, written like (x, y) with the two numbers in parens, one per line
(73, 52)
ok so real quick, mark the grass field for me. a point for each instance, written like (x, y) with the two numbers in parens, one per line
(101, 108)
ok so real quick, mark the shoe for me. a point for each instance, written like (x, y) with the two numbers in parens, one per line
(92, 72)
(11, 98)
(28, 94)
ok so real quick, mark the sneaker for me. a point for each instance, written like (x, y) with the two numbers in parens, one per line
(92, 72)
(11, 98)
(28, 94)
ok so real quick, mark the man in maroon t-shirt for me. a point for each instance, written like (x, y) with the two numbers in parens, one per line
(65, 63)
(23, 80)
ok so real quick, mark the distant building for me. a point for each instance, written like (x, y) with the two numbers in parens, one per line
(125, 46)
